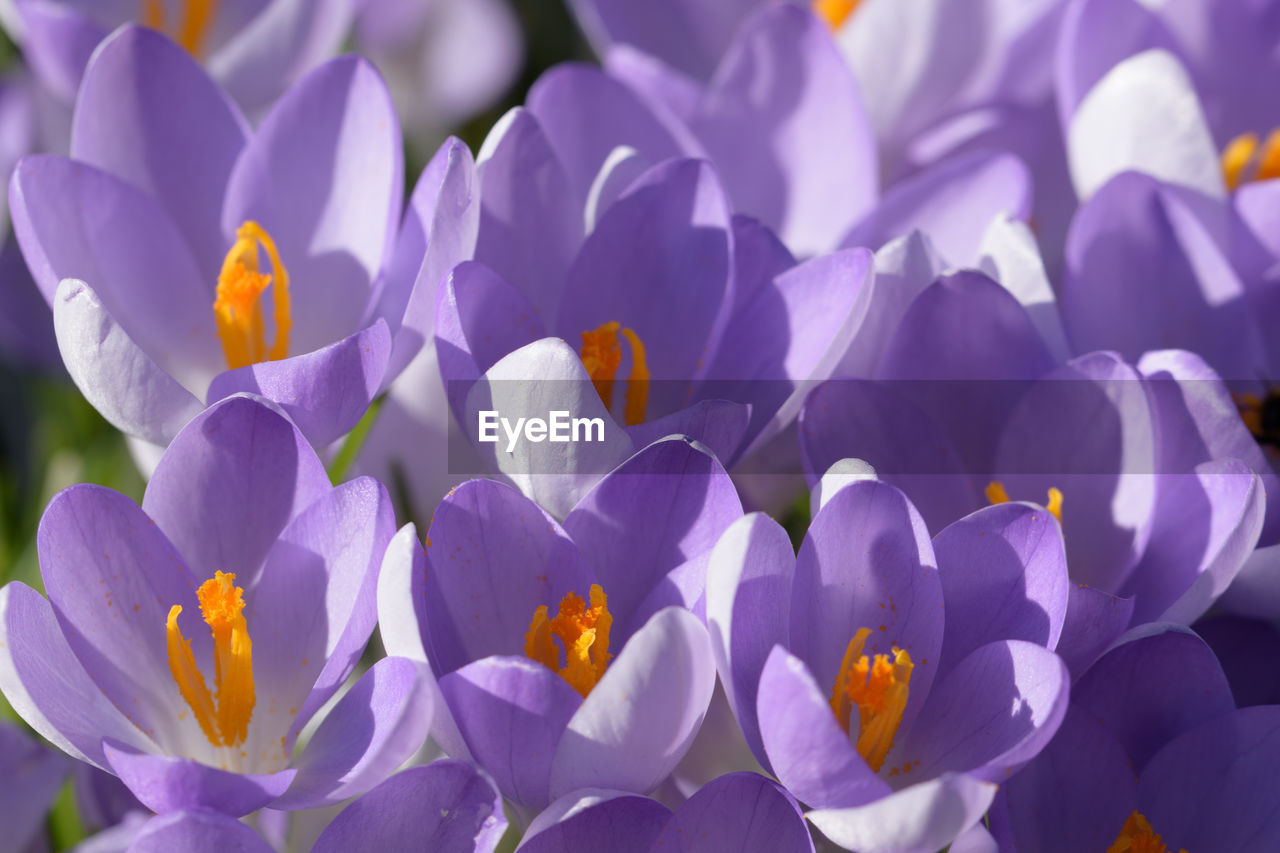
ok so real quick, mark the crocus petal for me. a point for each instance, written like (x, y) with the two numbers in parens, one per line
(1004, 576)
(975, 839)
(718, 425)
(658, 82)
(1212, 788)
(1256, 589)
(990, 714)
(867, 563)
(112, 576)
(665, 505)
(1140, 246)
(1010, 252)
(495, 557)
(878, 423)
(116, 375)
(841, 473)
(952, 202)
(164, 783)
(667, 242)
(784, 122)
(144, 95)
(1249, 651)
(325, 392)
(808, 751)
(739, 811)
(60, 40)
(46, 685)
(1158, 682)
(382, 721)
(542, 377)
(640, 719)
(324, 175)
(1146, 97)
(197, 830)
(809, 314)
(529, 226)
(256, 472)
(512, 712)
(446, 806)
(586, 114)
(315, 602)
(1093, 620)
(596, 820)
(277, 46)
(33, 775)
(439, 231)
(75, 221)
(1207, 525)
(1076, 794)
(748, 598)
(927, 816)
(479, 318)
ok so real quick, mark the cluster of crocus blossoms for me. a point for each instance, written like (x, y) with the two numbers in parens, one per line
(919, 489)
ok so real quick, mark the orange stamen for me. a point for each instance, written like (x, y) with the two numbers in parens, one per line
(878, 687)
(601, 355)
(584, 634)
(237, 307)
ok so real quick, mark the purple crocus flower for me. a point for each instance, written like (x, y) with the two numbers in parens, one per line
(30, 776)
(889, 682)
(187, 259)
(254, 50)
(1152, 751)
(735, 812)
(566, 654)
(1162, 506)
(184, 644)
(592, 319)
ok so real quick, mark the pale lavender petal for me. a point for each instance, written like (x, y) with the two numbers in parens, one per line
(1093, 620)
(596, 820)
(737, 812)
(197, 830)
(324, 176)
(165, 783)
(324, 392)
(640, 719)
(926, 816)
(807, 750)
(512, 713)
(665, 505)
(718, 425)
(117, 376)
(58, 42)
(494, 558)
(33, 775)
(256, 473)
(446, 806)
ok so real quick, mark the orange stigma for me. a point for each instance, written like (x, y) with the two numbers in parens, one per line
(878, 688)
(584, 634)
(238, 305)
(835, 12)
(224, 717)
(192, 29)
(996, 494)
(1246, 158)
(1137, 836)
(601, 355)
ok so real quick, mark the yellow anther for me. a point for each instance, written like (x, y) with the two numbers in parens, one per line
(238, 304)
(878, 687)
(601, 355)
(996, 494)
(584, 634)
(835, 12)
(223, 718)
(1247, 158)
(1137, 836)
(192, 29)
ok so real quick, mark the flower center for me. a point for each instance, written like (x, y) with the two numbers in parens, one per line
(878, 687)
(601, 355)
(1137, 836)
(224, 714)
(1247, 158)
(238, 305)
(835, 12)
(584, 634)
(996, 494)
(190, 30)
